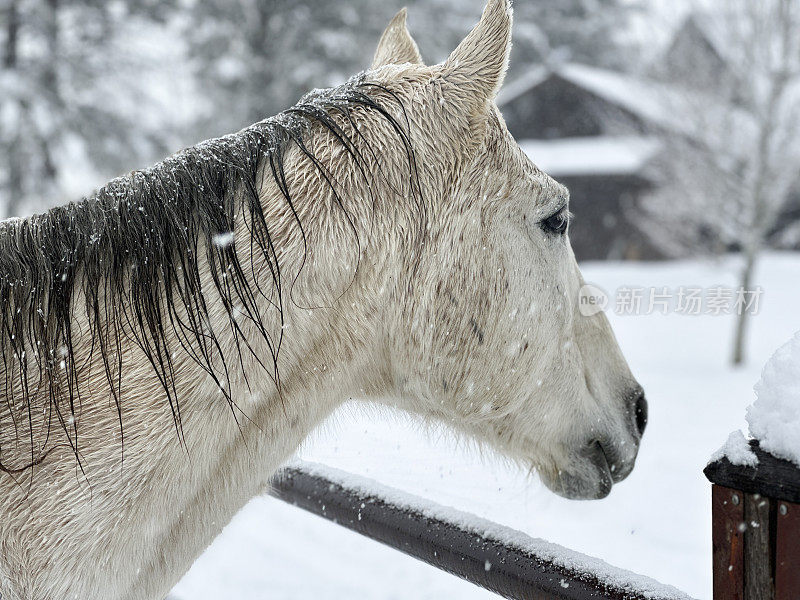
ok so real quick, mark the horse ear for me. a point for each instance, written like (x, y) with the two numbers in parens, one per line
(478, 66)
(397, 46)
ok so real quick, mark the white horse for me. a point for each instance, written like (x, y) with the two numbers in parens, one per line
(169, 342)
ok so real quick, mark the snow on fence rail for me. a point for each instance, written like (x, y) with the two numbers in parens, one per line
(495, 557)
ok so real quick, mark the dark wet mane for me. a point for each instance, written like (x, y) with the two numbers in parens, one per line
(133, 249)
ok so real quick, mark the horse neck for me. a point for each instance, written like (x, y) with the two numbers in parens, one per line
(147, 517)
(324, 363)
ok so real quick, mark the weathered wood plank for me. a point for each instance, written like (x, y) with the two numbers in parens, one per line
(727, 516)
(773, 477)
(787, 551)
(758, 543)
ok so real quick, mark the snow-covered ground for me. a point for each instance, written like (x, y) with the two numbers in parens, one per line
(657, 522)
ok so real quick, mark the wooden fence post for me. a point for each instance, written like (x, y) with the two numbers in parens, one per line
(755, 528)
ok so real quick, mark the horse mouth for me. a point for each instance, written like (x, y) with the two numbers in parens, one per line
(591, 477)
(605, 469)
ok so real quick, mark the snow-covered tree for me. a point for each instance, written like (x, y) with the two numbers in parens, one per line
(254, 58)
(731, 165)
(88, 89)
(593, 32)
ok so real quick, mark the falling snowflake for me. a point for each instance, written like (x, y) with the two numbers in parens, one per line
(222, 240)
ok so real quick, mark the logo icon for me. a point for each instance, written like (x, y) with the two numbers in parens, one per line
(591, 300)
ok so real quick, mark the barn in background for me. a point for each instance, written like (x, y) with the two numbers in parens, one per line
(593, 130)
(605, 175)
(600, 132)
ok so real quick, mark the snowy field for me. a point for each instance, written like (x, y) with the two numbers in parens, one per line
(657, 522)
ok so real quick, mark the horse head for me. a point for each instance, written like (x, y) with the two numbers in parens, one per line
(488, 336)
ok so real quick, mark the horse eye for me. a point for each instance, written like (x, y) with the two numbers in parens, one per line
(557, 223)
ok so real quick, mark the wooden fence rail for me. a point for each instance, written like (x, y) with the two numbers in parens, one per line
(497, 558)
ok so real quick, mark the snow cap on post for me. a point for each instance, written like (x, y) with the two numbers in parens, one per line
(478, 66)
(396, 46)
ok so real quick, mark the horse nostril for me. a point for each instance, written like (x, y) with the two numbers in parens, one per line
(641, 413)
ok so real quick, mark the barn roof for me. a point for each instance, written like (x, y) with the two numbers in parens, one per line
(602, 155)
(522, 84)
(707, 27)
(642, 97)
(639, 96)
(659, 104)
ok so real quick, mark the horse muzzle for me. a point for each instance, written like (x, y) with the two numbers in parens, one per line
(601, 461)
